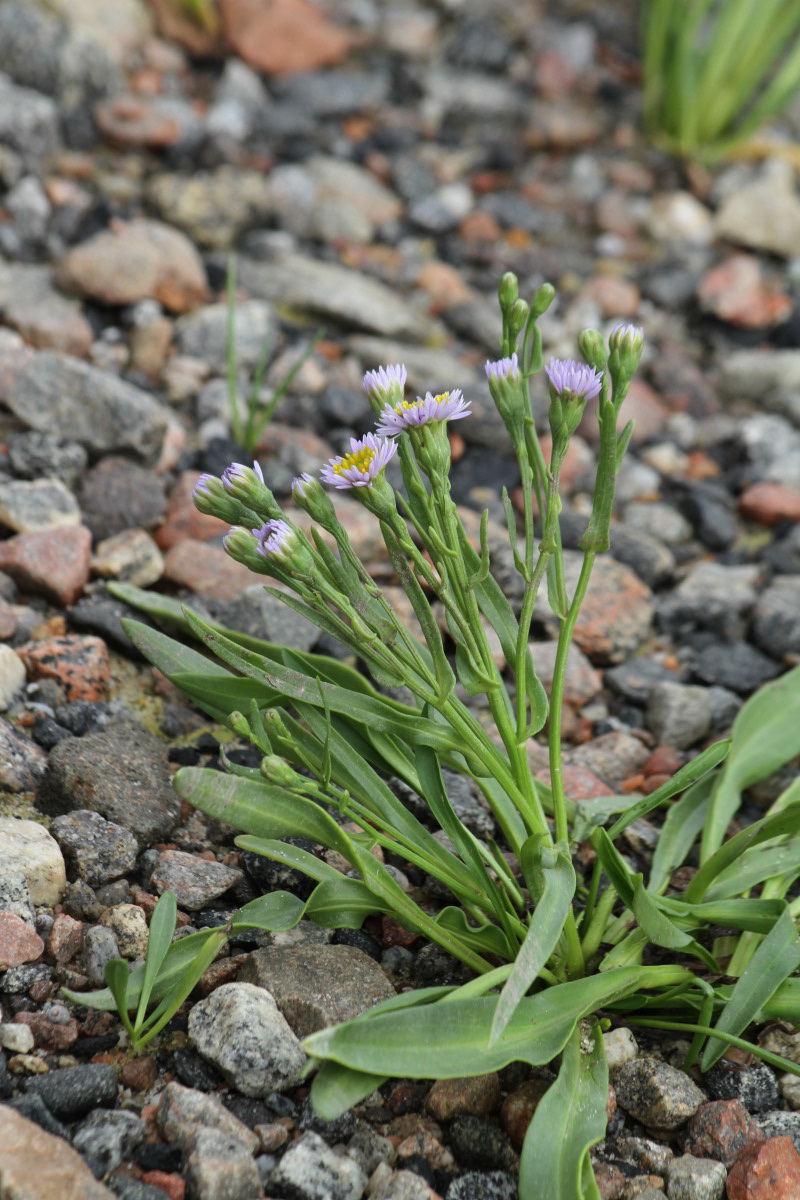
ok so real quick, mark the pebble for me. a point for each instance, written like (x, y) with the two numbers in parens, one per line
(658, 1095)
(620, 1047)
(28, 849)
(287, 38)
(77, 663)
(29, 122)
(136, 260)
(129, 925)
(218, 1167)
(53, 1029)
(110, 416)
(679, 714)
(317, 986)
(130, 556)
(53, 563)
(386, 1184)
(766, 1171)
(195, 881)
(310, 1170)
(37, 504)
(519, 1107)
(203, 334)
(776, 617)
(712, 596)
(476, 1142)
(32, 455)
(581, 683)
(99, 947)
(205, 570)
(212, 207)
(765, 213)
(121, 773)
(475, 1095)
(118, 494)
(616, 615)
(16, 1038)
(99, 850)
(756, 1085)
(262, 615)
(18, 942)
(15, 896)
(634, 680)
(778, 1123)
(690, 1178)
(240, 1029)
(12, 676)
(36, 1163)
(739, 667)
(65, 939)
(474, 1185)
(182, 1111)
(72, 1092)
(720, 1130)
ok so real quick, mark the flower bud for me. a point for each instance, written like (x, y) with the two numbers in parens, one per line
(593, 349)
(278, 771)
(246, 484)
(517, 319)
(508, 290)
(625, 344)
(309, 494)
(209, 496)
(241, 545)
(543, 297)
(282, 549)
(386, 386)
(505, 386)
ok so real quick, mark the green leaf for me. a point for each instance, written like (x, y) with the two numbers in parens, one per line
(756, 865)
(159, 940)
(680, 830)
(291, 856)
(569, 1119)
(485, 937)
(688, 775)
(343, 903)
(276, 911)
(545, 928)
(786, 821)
(774, 961)
(367, 710)
(441, 1041)
(117, 975)
(180, 990)
(336, 1089)
(766, 734)
(661, 931)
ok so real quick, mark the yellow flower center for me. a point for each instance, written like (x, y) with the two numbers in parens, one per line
(407, 406)
(361, 460)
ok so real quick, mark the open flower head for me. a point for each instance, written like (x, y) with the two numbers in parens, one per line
(446, 406)
(386, 385)
(367, 458)
(502, 368)
(573, 380)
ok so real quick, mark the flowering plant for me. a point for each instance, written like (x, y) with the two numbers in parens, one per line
(547, 948)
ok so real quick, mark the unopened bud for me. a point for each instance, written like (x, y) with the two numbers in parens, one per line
(278, 771)
(593, 349)
(517, 319)
(543, 297)
(508, 290)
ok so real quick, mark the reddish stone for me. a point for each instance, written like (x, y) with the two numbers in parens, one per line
(395, 935)
(736, 292)
(665, 760)
(766, 1171)
(223, 971)
(653, 783)
(480, 227)
(49, 1035)
(140, 1073)
(173, 1185)
(283, 37)
(720, 1130)
(428, 1146)
(616, 614)
(476, 1095)
(580, 783)
(611, 1183)
(65, 938)
(769, 503)
(8, 620)
(519, 1107)
(444, 284)
(132, 121)
(79, 663)
(18, 942)
(53, 563)
(206, 570)
(614, 297)
(183, 520)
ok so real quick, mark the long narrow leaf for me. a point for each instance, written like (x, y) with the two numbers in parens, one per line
(569, 1119)
(162, 927)
(336, 1089)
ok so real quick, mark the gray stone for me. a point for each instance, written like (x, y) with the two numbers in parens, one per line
(725, 704)
(262, 615)
(195, 881)
(581, 682)
(690, 1178)
(494, 1185)
(738, 667)
(317, 986)
(117, 494)
(99, 947)
(476, 1142)
(658, 1095)
(369, 1149)
(777, 1123)
(182, 1111)
(635, 679)
(614, 756)
(22, 762)
(310, 1170)
(28, 123)
(442, 210)
(12, 676)
(70, 399)
(764, 214)
(335, 93)
(212, 207)
(109, 1138)
(652, 561)
(679, 714)
(240, 1030)
(776, 618)
(218, 1167)
(756, 1086)
(659, 520)
(28, 205)
(204, 334)
(72, 1092)
(37, 504)
(34, 454)
(15, 896)
(30, 304)
(121, 772)
(712, 596)
(339, 293)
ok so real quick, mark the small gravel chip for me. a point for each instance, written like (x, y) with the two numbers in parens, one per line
(182, 1111)
(621, 1047)
(658, 1095)
(679, 715)
(310, 1170)
(195, 881)
(109, 1137)
(74, 1091)
(99, 850)
(756, 1086)
(218, 1167)
(781, 1124)
(690, 1178)
(496, 1185)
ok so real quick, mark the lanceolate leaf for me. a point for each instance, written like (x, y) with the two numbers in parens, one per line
(337, 1088)
(680, 830)
(774, 961)
(546, 926)
(162, 927)
(569, 1119)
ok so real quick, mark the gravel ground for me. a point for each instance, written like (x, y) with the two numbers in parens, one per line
(377, 167)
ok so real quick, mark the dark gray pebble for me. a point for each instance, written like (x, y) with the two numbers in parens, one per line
(118, 494)
(781, 1124)
(34, 1108)
(133, 1189)
(738, 667)
(635, 679)
(478, 1143)
(195, 1072)
(99, 850)
(74, 1091)
(17, 980)
(339, 1130)
(755, 1086)
(497, 1185)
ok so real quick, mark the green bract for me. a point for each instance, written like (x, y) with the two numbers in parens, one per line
(548, 950)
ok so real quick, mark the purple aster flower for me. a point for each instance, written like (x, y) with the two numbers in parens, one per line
(382, 382)
(502, 368)
(367, 458)
(300, 484)
(274, 539)
(575, 378)
(202, 488)
(446, 406)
